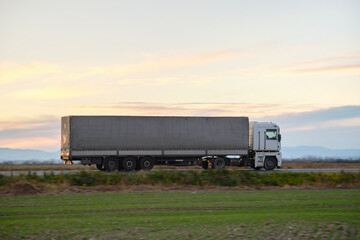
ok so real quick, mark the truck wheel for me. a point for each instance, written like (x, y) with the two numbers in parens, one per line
(270, 163)
(129, 164)
(100, 166)
(205, 164)
(218, 163)
(147, 163)
(111, 164)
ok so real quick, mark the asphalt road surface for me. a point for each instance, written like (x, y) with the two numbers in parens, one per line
(304, 170)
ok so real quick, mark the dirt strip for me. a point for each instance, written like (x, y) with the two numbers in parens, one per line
(27, 188)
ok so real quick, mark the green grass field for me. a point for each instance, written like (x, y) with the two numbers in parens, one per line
(269, 214)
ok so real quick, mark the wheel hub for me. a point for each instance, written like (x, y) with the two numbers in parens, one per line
(146, 163)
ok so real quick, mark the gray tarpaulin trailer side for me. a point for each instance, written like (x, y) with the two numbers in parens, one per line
(135, 142)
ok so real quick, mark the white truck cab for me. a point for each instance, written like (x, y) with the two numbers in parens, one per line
(265, 144)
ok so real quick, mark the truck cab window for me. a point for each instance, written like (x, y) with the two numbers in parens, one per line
(271, 134)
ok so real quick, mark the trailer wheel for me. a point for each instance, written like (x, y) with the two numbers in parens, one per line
(100, 166)
(218, 163)
(147, 163)
(129, 164)
(205, 164)
(111, 164)
(270, 163)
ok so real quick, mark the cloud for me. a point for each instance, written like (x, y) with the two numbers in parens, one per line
(39, 143)
(49, 129)
(333, 127)
(348, 64)
(348, 122)
(190, 108)
(181, 61)
(48, 93)
(185, 81)
(12, 72)
(319, 116)
(149, 81)
(328, 69)
(153, 110)
(42, 133)
(29, 124)
(35, 132)
(328, 60)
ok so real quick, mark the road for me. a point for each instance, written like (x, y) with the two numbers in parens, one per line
(304, 170)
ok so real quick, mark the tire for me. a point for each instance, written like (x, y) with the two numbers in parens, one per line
(270, 163)
(218, 163)
(129, 164)
(205, 164)
(100, 166)
(147, 163)
(111, 164)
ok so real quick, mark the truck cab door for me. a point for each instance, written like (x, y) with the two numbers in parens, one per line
(271, 142)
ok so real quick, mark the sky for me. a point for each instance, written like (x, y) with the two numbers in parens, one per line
(296, 63)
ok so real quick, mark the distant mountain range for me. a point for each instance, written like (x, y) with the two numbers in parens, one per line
(8, 154)
(319, 152)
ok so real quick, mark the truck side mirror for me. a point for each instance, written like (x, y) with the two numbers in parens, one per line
(279, 138)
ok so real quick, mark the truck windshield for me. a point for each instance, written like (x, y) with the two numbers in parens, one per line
(271, 134)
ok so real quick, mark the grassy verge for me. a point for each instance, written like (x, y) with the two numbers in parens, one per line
(226, 178)
(44, 167)
(270, 214)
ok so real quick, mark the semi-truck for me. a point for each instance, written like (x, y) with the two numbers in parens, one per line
(131, 143)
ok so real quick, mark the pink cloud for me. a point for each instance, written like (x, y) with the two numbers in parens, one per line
(327, 69)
